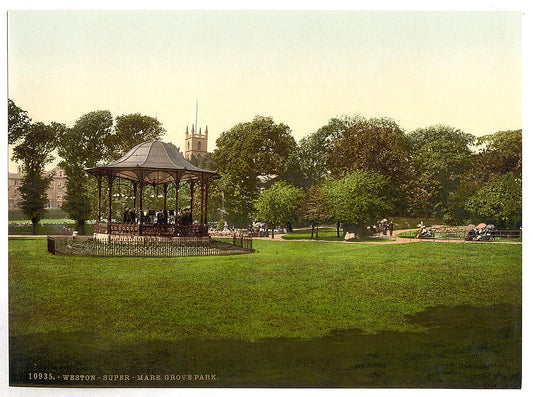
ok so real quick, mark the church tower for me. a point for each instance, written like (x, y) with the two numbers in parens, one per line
(195, 142)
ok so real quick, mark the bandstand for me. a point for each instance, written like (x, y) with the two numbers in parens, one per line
(154, 163)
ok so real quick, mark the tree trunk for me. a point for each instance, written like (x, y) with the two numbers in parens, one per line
(312, 229)
(338, 227)
(316, 231)
(80, 227)
(272, 232)
(34, 223)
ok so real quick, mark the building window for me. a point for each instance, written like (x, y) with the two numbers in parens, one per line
(59, 184)
(199, 145)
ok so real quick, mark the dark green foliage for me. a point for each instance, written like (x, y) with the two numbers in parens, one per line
(33, 195)
(83, 146)
(308, 163)
(79, 197)
(498, 202)
(500, 153)
(278, 205)
(51, 213)
(257, 148)
(377, 145)
(95, 140)
(250, 156)
(85, 143)
(359, 198)
(130, 130)
(441, 159)
(18, 122)
(315, 209)
(34, 145)
(205, 161)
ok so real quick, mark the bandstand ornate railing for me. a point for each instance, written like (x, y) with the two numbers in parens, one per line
(148, 246)
(149, 229)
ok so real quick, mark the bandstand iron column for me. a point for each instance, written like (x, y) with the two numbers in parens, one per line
(202, 198)
(141, 185)
(134, 194)
(206, 197)
(191, 183)
(177, 180)
(165, 188)
(110, 199)
(99, 210)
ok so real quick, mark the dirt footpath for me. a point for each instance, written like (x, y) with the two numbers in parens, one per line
(389, 240)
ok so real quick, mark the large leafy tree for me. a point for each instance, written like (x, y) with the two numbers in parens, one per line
(441, 159)
(359, 198)
(132, 129)
(498, 202)
(377, 145)
(308, 164)
(251, 156)
(94, 139)
(278, 204)
(35, 143)
(86, 143)
(18, 122)
(83, 146)
(205, 161)
(315, 209)
(500, 153)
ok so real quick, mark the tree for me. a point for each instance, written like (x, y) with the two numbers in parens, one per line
(94, 139)
(34, 152)
(79, 198)
(500, 153)
(277, 205)
(441, 159)
(374, 145)
(83, 146)
(205, 161)
(377, 145)
(250, 156)
(308, 164)
(18, 122)
(359, 198)
(499, 202)
(132, 129)
(315, 209)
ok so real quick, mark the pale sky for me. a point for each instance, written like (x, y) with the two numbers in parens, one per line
(301, 67)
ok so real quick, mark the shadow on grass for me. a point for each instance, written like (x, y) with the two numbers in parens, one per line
(464, 347)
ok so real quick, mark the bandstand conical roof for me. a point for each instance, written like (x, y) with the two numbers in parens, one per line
(153, 162)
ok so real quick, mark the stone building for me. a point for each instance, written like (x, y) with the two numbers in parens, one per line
(56, 191)
(195, 143)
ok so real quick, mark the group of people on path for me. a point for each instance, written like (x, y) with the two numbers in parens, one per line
(382, 227)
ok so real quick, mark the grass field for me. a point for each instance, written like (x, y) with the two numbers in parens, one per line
(324, 233)
(44, 221)
(306, 314)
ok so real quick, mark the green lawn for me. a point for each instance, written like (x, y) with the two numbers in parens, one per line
(293, 314)
(44, 221)
(324, 233)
